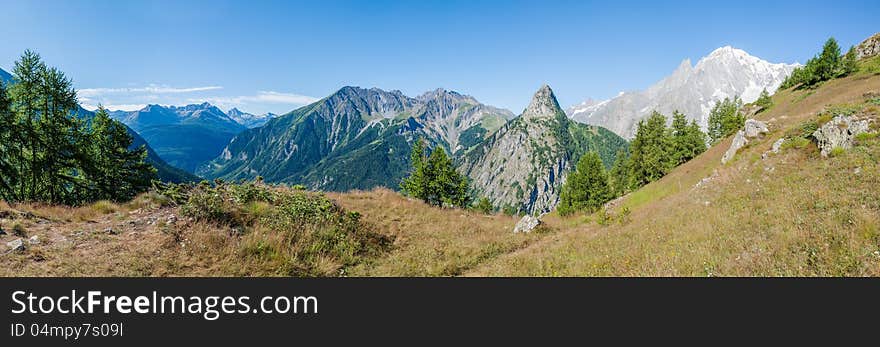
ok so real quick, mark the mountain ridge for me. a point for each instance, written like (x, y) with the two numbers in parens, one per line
(355, 138)
(692, 89)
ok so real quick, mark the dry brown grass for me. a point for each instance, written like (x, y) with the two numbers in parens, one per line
(431, 241)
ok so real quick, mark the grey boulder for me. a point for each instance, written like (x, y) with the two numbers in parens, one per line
(839, 133)
(527, 224)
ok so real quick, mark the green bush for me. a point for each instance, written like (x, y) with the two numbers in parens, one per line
(484, 206)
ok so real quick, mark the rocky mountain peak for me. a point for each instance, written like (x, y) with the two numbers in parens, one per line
(543, 105)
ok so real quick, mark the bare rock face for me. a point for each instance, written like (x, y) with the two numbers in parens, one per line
(739, 141)
(754, 128)
(868, 48)
(751, 129)
(777, 146)
(523, 165)
(16, 245)
(527, 224)
(839, 133)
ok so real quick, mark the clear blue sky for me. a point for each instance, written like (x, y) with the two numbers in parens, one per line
(273, 55)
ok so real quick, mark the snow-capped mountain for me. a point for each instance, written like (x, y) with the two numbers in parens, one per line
(250, 120)
(693, 90)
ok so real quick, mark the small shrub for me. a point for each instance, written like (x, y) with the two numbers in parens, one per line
(284, 231)
(603, 217)
(624, 216)
(795, 143)
(840, 109)
(863, 137)
(509, 210)
(104, 207)
(207, 204)
(19, 230)
(808, 128)
(836, 152)
(484, 206)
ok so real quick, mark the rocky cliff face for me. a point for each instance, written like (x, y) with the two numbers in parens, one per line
(868, 48)
(726, 72)
(524, 164)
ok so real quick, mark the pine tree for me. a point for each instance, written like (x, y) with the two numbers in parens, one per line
(8, 173)
(586, 188)
(681, 151)
(619, 174)
(764, 100)
(650, 154)
(46, 153)
(61, 136)
(434, 179)
(849, 64)
(416, 185)
(828, 62)
(115, 172)
(725, 118)
(25, 94)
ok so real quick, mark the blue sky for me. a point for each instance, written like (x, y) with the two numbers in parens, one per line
(274, 56)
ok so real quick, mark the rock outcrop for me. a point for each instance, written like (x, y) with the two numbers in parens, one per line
(868, 48)
(16, 245)
(839, 133)
(524, 164)
(751, 129)
(777, 146)
(526, 224)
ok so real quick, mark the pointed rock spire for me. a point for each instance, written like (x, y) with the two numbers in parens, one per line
(543, 105)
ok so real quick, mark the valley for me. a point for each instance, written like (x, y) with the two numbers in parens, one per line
(786, 185)
(795, 213)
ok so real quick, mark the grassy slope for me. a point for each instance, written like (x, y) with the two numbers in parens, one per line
(792, 214)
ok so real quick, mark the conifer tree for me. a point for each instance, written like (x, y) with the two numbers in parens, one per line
(47, 154)
(61, 137)
(25, 94)
(849, 64)
(725, 118)
(586, 188)
(650, 154)
(619, 174)
(115, 172)
(827, 64)
(416, 184)
(8, 173)
(688, 140)
(764, 100)
(434, 180)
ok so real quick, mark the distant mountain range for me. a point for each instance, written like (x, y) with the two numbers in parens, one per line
(360, 138)
(249, 120)
(694, 90)
(355, 138)
(5, 77)
(185, 137)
